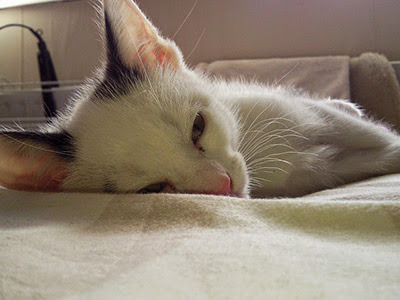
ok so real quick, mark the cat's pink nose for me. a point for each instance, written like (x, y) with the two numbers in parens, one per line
(224, 185)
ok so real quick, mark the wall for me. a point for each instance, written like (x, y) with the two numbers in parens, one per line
(232, 29)
(70, 34)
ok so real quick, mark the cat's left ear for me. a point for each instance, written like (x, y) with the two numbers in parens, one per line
(34, 161)
(134, 41)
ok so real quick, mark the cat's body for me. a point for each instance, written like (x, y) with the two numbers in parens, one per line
(312, 144)
(149, 124)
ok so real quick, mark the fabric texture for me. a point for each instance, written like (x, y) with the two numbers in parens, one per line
(342, 243)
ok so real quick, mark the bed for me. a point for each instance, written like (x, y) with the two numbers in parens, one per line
(338, 243)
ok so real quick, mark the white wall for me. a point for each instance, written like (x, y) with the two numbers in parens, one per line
(233, 29)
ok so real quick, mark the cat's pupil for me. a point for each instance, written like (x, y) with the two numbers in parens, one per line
(153, 188)
(198, 127)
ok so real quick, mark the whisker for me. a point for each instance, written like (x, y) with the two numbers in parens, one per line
(274, 121)
(255, 120)
(293, 152)
(257, 132)
(262, 147)
(284, 76)
(197, 43)
(263, 160)
(249, 112)
(259, 179)
(268, 139)
(271, 170)
(184, 21)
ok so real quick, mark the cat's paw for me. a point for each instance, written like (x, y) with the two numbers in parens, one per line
(347, 106)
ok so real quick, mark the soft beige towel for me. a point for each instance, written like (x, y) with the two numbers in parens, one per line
(336, 244)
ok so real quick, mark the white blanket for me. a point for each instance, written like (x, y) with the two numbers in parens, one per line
(340, 243)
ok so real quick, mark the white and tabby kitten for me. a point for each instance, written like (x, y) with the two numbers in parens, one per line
(150, 124)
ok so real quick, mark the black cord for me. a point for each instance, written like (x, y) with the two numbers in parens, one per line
(46, 70)
(36, 33)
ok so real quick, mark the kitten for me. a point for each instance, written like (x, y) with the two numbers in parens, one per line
(148, 123)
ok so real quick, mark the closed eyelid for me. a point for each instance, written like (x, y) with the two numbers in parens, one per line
(153, 188)
(198, 127)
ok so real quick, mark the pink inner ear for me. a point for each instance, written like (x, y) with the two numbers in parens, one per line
(162, 56)
(140, 44)
(45, 173)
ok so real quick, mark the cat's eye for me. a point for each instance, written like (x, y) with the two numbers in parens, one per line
(198, 128)
(153, 188)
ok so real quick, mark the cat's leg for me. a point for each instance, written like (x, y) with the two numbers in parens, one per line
(329, 166)
(361, 148)
(337, 147)
(340, 128)
(341, 150)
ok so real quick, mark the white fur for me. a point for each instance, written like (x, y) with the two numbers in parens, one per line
(271, 140)
(145, 137)
(295, 144)
(290, 143)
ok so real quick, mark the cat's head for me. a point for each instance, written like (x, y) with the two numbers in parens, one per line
(146, 124)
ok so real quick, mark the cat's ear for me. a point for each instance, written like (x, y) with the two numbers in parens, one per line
(133, 41)
(33, 161)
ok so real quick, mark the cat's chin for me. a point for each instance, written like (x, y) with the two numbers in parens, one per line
(242, 191)
(241, 195)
